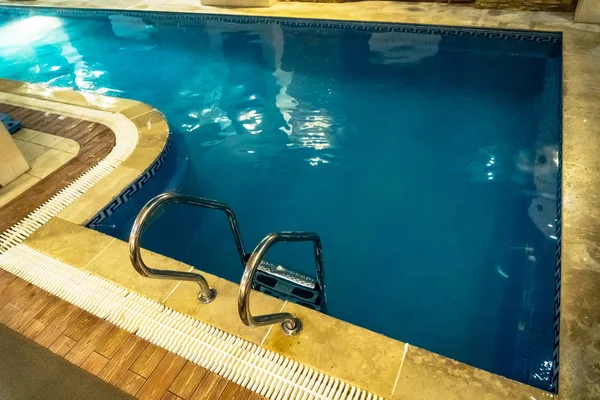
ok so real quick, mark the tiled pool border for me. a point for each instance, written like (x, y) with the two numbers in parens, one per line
(546, 21)
(557, 263)
(499, 33)
(132, 189)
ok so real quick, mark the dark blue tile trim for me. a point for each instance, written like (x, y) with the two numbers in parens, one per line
(557, 266)
(133, 188)
(523, 35)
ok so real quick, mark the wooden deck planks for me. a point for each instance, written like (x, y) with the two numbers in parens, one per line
(95, 141)
(116, 356)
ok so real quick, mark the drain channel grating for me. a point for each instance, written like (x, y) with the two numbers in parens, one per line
(269, 374)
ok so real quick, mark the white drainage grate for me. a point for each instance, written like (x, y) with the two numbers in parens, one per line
(262, 371)
(126, 138)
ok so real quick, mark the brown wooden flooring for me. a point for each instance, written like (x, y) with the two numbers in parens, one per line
(95, 141)
(114, 355)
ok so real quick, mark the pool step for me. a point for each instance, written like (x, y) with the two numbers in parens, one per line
(288, 285)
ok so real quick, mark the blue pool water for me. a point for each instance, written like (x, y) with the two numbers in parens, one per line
(426, 159)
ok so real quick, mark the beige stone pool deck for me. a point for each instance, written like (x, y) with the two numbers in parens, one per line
(371, 361)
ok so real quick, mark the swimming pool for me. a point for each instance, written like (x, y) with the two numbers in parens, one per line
(427, 159)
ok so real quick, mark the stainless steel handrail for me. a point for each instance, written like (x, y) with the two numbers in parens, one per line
(290, 325)
(207, 294)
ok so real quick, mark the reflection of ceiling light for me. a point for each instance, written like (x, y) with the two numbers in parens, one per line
(247, 115)
(317, 160)
(28, 30)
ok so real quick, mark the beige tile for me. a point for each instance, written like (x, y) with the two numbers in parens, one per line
(588, 11)
(46, 139)
(97, 197)
(428, 376)
(27, 101)
(91, 100)
(142, 158)
(222, 312)
(580, 315)
(154, 137)
(88, 114)
(68, 242)
(68, 146)
(153, 130)
(30, 151)
(146, 120)
(107, 103)
(582, 68)
(113, 264)
(16, 187)
(137, 110)
(121, 104)
(70, 97)
(580, 42)
(34, 90)
(581, 100)
(49, 162)
(356, 355)
(26, 134)
(8, 85)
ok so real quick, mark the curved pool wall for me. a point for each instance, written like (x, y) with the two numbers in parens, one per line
(427, 158)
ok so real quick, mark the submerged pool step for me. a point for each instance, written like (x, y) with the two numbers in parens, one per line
(289, 285)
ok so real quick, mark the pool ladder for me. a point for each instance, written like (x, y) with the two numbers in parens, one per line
(258, 274)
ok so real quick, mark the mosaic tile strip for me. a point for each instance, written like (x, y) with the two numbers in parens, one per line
(126, 194)
(557, 265)
(503, 34)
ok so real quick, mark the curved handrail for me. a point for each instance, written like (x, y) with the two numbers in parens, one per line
(290, 325)
(207, 294)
